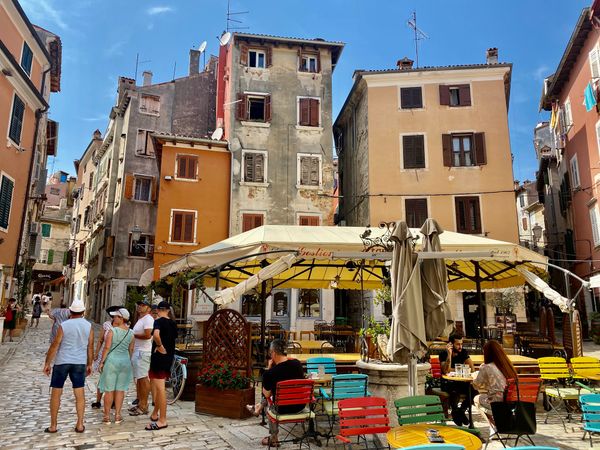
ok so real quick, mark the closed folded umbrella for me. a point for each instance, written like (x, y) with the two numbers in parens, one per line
(540, 285)
(407, 334)
(434, 283)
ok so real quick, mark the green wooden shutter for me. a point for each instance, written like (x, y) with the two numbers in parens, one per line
(50, 256)
(6, 190)
(26, 58)
(46, 228)
(16, 121)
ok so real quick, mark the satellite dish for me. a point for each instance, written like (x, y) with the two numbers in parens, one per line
(217, 134)
(225, 37)
(202, 47)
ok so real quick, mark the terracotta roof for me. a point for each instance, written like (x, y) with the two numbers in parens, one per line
(434, 68)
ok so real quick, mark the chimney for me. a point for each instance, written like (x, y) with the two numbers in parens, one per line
(491, 56)
(194, 62)
(404, 63)
(97, 135)
(147, 75)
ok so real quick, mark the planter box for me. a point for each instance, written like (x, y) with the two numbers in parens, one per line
(229, 403)
(21, 323)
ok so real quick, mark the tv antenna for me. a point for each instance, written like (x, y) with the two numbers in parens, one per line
(419, 34)
(230, 20)
(137, 63)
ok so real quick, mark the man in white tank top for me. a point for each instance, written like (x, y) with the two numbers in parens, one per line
(72, 352)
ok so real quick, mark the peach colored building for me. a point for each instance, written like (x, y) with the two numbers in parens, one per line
(24, 72)
(430, 142)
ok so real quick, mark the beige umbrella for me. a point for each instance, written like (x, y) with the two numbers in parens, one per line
(434, 283)
(407, 335)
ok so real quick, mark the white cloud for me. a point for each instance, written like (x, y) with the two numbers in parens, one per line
(115, 49)
(158, 10)
(541, 72)
(97, 118)
(43, 10)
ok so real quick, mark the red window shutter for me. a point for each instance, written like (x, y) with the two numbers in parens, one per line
(188, 234)
(154, 191)
(177, 227)
(464, 95)
(269, 56)
(247, 222)
(128, 190)
(241, 107)
(304, 221)
(258, 220)
(181, 167)
(480, 155)
(444, 95)
(267, 108)
(304, 112)
(314, 112)
(244, 55)
(447, 149)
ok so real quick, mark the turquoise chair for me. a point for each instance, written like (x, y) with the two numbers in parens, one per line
(436, 447)
(536, 447)
(312, 365)
(590, 407)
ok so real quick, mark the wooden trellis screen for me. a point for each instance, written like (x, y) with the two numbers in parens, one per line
(227, 340)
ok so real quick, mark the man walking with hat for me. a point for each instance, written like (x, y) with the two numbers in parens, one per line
(140, 359)
(72, 352)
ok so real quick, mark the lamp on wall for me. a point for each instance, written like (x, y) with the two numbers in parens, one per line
(136, 233)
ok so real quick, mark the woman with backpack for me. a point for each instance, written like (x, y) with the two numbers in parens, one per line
(10, 318)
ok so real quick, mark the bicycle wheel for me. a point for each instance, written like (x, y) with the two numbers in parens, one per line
(176, 382)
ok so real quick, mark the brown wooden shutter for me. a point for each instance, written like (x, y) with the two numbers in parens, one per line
(461, 213)
(408, 152)
(244, 55)
(188, 230)
(304, 170)
(154, 190)
(149, 148)
(444, 95)
(417, 97)
(249, 166)
(415, 211)
(303, 221)
(181, 167)
(419, 146)
(314, 112)
(405, 98)
(247, 222)
(241, 107)
(128, 190)
(177, 225)
(464, 95)
(258, 220)
(447, 149)
(81, 252)
(314, 171)
(259, 168)
(150, 247)
(193, 168)
(304, 112)
(267, 108)
(269, 56)
(480, 155)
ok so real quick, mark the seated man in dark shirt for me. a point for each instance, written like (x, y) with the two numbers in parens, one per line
(456, 354)
(280, 368)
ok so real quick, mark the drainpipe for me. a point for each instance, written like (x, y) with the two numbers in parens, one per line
(38, 115)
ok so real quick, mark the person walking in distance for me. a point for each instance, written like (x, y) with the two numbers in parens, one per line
(58, 316)
(164, 335)
(36, 311)
(72, 353)
(10, 318)
(140, 360)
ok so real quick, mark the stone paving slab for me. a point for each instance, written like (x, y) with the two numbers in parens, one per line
(25, 398)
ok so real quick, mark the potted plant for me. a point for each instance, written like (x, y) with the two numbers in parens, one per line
(224, 391)
(505, 303)
(376, 334)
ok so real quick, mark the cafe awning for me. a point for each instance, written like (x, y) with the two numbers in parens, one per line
(338, 257)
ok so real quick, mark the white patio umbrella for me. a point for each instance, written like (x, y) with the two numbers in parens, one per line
(540, 285)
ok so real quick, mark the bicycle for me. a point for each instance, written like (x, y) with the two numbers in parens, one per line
(176, 382)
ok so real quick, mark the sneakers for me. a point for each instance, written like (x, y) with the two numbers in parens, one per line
(96, 405)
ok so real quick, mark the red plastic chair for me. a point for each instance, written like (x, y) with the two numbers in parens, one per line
(289, 393)
(362, 417)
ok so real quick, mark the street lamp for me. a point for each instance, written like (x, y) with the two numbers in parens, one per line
(136, 233)
(136, 236)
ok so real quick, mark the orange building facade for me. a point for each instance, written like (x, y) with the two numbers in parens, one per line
(193, 196)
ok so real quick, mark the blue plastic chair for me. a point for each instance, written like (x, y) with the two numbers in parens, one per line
(436, 447)
(312, 365)
(590, 406)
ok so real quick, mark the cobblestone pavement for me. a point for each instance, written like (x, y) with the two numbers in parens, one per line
(25, 397)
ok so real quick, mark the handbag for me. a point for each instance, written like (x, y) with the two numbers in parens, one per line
(514, 417)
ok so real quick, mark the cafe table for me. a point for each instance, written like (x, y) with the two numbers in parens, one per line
(311, 345)
(409, 435)
(469, 380)
(339, 358)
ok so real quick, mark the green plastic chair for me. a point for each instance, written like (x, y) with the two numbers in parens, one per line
(420, 409)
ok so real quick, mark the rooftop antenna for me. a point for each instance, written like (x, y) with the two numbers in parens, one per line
(174, 69)
(419, 35)
(137, 63)
(234, 21)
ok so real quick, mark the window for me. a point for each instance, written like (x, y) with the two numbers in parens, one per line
(464, 150)
(142, 189)
(595, 221)
(54, 191)
(468, 216)
(183, 226)
(87, 216)
(281, 303)
(524, 221)
(254, 167)
(81, 253)
(6, 193)
(575, 172)
(187, 167)
(413, 151)
(43, 256)
(309, 303)
(411, 98)
(143, 146)
(46, 230)
(252, 220)
(78, 224)
(309, 170)
(309, 221)
(415, 211)
(594, 57)
(150, 104)
(257, 58)
(458, 95)
(16, 120)
(254, 107)
(251, 305)
(143, 248)
(309, 62)
(309, 112)
(91, 183)
(26, 58)
(568, 115)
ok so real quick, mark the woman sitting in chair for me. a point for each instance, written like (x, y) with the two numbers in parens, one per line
(492, 376)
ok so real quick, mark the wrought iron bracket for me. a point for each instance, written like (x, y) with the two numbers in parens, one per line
(381, 242)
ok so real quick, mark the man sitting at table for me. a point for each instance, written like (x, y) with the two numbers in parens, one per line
(279, 368)
(456, 354)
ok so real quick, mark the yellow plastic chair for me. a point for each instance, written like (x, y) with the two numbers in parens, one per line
(558, 382)
(586, 368)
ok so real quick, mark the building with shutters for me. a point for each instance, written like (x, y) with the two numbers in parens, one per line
(274, 105)
(432, 142)
(29, 71)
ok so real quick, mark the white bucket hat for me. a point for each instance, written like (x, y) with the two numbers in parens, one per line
(121, 312)
(77, 306)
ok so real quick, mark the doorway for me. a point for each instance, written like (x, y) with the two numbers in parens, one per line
(471, 312)
(281, 307)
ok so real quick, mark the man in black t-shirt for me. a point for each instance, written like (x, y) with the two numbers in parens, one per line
(456, 354)
(280, 368)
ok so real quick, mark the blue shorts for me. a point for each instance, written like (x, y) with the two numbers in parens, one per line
(76, 372)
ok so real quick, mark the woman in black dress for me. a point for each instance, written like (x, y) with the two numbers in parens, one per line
(10, 318)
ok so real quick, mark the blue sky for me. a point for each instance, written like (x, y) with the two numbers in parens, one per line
(101, 38)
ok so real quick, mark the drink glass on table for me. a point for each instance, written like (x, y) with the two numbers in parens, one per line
(467, 371)
(458, 368)
(321, 369)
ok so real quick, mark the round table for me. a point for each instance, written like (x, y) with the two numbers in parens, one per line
(409, 435)
(469, 396)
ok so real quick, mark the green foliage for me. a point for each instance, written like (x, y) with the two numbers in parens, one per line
(219, 375)
(508, 300)
(375, 329)
(23, 274)
(383, 295)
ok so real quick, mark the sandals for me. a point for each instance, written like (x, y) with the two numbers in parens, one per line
(118, 420)
(252, 410)
(268, 442)
(48, 430)
(106, 420)
(152, 419)
(80, 430)
(153, 426)
(96, 405)
(138, 412)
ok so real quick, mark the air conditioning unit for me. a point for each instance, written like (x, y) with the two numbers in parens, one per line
(34, 228)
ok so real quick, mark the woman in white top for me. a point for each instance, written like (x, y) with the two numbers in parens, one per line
(492, 377)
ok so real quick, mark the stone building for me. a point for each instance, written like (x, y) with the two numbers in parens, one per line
(274, 105)
(530, 215)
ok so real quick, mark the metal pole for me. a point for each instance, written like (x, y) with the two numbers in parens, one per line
(217, 288)
(479, 302)
(362, 296)
(263, 313)
(571, 308)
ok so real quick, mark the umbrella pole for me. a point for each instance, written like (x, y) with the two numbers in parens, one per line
(362, 297)
(412, 375)
(479, 302)
(263, 314)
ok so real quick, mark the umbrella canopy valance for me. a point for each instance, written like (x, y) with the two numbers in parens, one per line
(333, 256)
